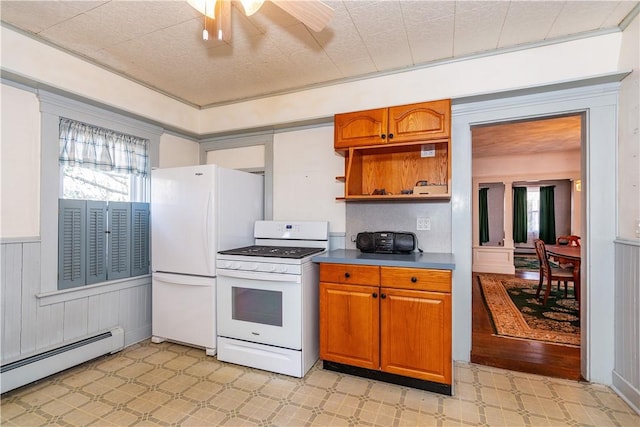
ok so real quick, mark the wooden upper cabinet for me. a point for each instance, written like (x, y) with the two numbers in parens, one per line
(360, 128)
(420, 122)
(406, 123)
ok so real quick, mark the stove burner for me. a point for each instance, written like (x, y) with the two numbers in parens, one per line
(273, 251)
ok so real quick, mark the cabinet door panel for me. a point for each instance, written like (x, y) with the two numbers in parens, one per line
(360, 128)
(416, 122)
(415, 334)
(349, 325)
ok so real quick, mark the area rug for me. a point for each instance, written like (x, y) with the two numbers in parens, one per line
(526, 263)
(516, 312)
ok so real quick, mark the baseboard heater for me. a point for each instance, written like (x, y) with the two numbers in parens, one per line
(33, 368)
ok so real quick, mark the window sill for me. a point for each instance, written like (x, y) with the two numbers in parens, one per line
(55, 297)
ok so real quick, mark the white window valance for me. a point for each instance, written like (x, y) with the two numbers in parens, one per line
(103, 149)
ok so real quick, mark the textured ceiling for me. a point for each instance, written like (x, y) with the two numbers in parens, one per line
(159, 43)
(528, 137)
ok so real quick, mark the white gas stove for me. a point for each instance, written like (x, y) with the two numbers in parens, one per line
(267, 298)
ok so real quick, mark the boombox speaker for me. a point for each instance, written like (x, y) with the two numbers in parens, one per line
(365, 242)
(404, 242)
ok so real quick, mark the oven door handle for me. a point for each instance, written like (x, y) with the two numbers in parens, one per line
(256, 275)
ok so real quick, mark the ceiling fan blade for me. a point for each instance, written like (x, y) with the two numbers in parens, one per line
(312, 13)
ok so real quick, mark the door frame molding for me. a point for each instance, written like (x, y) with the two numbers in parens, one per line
(599, 210)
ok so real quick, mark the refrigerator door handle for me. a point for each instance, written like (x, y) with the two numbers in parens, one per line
(207, 223)
(184, 280)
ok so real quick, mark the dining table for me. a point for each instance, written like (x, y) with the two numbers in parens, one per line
(568, 254)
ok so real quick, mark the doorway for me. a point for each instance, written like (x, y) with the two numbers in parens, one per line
(525, 155)
(599, 103)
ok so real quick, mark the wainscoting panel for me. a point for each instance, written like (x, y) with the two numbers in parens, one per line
(105, 309)
(30, 287)
(626, 374)
(50, 321)
(11, 299)
(493, 259)
(75, 319)
(30, 326)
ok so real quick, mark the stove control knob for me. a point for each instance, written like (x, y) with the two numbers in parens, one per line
(233, 265)
(281, 269)
(269, 268)
(252, 266)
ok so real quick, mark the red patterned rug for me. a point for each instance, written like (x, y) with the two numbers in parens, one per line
(516, 312)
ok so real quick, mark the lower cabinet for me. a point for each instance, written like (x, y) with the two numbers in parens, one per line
(387, 319)
(350, 325)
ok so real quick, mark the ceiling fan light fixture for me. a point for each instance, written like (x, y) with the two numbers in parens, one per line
(251, 6)
(312, 13)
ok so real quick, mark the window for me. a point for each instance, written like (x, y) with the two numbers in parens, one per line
(103, 222)
(533, 213)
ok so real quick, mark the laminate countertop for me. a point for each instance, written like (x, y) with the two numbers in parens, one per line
(435, 260)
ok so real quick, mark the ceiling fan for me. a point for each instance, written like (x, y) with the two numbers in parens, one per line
(313, 13)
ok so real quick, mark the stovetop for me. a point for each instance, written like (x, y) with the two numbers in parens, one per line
(273, 251)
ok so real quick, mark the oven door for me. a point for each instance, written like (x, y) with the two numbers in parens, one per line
(260, 307)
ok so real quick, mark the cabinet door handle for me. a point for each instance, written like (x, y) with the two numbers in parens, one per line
(383, 136)
(374, 295)
(383, 296)
(347, 274)
(390, 136)
(414, 279)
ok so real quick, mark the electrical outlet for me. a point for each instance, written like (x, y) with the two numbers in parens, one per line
(428, 150)
(638, 228)
(423, 224)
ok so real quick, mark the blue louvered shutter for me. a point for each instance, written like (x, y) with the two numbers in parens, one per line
(71, 243)
(119, 240)
(96, 242)
(140, 239)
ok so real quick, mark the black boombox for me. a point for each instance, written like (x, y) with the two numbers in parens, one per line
(386, 242)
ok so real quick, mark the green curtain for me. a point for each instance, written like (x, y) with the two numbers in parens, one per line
(547, 215)
(520, 214)
(483, 215)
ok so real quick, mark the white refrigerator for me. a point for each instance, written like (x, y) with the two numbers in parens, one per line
(196, 211)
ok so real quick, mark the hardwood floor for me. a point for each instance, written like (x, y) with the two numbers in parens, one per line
(516, 354)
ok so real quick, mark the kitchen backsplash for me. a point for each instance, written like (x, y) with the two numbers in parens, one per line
(401, 216)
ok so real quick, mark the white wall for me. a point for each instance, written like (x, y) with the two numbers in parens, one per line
(556, 165)
(20, 160)
(176, 151)
(554, 63)
(251, 157)
(304, 177)
(25, 57)
(629, 136)
(561, 62)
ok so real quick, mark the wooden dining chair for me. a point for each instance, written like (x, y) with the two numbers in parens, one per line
(549, 273)
(571, 240)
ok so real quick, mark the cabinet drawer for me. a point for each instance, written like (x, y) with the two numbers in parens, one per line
(416, 278)
(349, 273)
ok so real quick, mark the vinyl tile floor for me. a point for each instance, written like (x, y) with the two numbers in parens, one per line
(168, 384)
